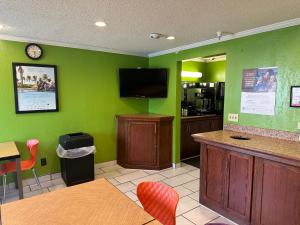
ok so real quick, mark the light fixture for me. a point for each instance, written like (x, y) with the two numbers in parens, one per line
(158, 36)
(155, 35)
(100, 24)
(191, 74)
(220, 34)
(170, 37)
(1, 26)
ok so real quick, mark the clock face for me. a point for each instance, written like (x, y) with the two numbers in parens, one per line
(34, 51)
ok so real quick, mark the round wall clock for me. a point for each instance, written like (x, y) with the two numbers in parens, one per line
(34, 51)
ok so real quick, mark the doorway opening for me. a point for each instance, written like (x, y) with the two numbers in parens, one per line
(202, 102)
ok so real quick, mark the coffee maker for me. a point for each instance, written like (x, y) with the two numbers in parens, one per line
(202, 98)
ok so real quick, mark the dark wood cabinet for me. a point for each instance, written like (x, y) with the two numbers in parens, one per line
(197, 124)
(226, 182)
(255, 182)
(238, 187)
(213, 171)
(144, 141)
(276, 197)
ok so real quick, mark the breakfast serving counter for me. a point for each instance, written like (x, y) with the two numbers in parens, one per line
(250, 179)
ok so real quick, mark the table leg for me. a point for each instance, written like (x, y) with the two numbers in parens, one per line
(16, 180)
(19, 178)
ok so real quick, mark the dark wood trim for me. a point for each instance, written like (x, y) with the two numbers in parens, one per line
(204, 117)
(144, 117)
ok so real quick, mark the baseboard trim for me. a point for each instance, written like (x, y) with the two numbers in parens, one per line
(176, 165)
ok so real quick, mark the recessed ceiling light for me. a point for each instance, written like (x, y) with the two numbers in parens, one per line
(170, 37)
(1, 26)
(100, 24)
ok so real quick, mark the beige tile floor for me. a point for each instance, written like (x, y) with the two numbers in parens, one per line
(184, 179)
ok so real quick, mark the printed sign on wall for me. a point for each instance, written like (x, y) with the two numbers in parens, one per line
(259, 91)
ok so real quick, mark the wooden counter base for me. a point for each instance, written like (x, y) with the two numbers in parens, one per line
(246, 187)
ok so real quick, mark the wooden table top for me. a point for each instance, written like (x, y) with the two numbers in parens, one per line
(9, 150)
(93, 203)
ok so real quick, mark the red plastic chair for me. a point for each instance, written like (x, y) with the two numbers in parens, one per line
(10, 167)
(159, 201)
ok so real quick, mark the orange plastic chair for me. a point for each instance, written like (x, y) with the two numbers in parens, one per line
(10, 167)
(159, 201)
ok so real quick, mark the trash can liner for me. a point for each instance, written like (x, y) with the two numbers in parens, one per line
(75, 152)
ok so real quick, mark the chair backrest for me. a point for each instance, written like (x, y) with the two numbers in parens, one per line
(32, 146)
(159, 200)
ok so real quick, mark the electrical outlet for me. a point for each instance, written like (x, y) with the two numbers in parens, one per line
(233, 117)
(43, 161)
(298, 127)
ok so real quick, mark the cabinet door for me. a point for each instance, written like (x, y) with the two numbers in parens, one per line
(217, 124)
(239, 185)
(185, 140)
(213, 172)
(193, 146)
(276, 194)
(190, 147)
(142, 143)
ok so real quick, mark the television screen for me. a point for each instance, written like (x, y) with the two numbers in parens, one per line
(143, 83)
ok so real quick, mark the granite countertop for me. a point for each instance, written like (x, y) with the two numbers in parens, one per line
(257, 144)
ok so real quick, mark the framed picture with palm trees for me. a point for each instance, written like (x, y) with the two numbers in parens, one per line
(35, 87)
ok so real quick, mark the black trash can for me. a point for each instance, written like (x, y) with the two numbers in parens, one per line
(77, 170)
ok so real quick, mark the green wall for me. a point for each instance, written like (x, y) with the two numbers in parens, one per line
(211, 72)
(276, 48)
(88, 100)
(215, 72)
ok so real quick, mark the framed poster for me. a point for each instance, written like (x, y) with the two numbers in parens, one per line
(35, 88)
(259, 91)
(295, 96)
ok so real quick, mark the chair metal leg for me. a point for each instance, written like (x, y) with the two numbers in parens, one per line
(4, 188)
(36, 178)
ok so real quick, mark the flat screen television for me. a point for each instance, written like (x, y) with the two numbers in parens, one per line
(143, 83)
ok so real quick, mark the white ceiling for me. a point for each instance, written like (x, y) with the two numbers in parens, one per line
(71, 22)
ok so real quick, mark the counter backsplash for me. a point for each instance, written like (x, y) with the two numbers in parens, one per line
(285, 135)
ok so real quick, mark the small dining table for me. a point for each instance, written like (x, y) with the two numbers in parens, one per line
(93, 203)
(9, 151)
